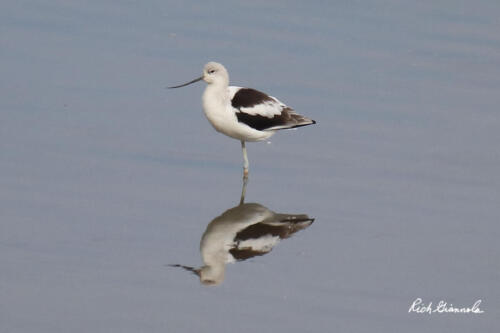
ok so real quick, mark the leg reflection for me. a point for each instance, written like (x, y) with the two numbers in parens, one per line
(244, 188)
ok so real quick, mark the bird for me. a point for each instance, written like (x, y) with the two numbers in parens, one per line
(240, 233)
(244, 114)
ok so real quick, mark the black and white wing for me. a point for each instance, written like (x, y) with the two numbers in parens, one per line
(263, 112)
(260, 238)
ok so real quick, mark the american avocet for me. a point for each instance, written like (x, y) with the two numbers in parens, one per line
(242, 113)
(240, 233)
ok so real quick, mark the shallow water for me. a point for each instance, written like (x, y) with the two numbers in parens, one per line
(106, 178)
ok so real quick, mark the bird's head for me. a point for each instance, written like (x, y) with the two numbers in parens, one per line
(210, 275)
(213, 73)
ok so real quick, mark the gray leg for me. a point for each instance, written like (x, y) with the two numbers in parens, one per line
(245, 159)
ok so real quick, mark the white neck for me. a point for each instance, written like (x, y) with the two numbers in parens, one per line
(215, 95)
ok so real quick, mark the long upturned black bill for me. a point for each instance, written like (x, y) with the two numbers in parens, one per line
(185, 84)
(193, 270)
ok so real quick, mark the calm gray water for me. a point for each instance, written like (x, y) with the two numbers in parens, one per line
(106, 178)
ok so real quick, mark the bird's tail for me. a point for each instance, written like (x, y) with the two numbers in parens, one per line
(293, 222)
(291, 119)
(302, 121)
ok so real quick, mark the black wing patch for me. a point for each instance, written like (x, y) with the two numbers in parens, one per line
(244, 254)
(259, 122)
(246, 98)
(287, 119)
(258, 230)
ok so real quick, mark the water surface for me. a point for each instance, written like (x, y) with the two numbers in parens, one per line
(106, 177)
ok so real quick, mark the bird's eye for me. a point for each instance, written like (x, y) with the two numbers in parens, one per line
(211, 71)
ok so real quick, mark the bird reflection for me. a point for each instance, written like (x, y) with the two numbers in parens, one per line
(240, 233)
